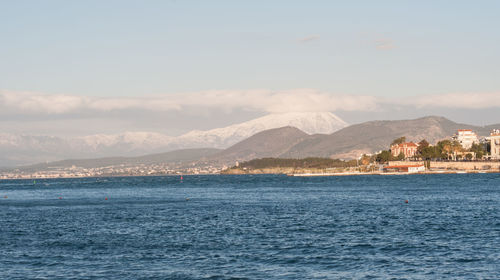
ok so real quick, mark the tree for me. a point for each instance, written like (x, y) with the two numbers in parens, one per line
(401, 156)
(383, 156)
(422, 145)
(399, 140)
(365, 159)
(431, 152)
(468, 156)
(479, 149)
(444, 149)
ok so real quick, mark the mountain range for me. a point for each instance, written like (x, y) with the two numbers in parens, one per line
(355, 140)
(16, 150)
(291, 142)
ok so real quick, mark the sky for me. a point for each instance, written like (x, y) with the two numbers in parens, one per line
(85, 67)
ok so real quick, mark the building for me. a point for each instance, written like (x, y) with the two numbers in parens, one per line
(405, 168)
(466, 138)
(409, 149)
(495, 143)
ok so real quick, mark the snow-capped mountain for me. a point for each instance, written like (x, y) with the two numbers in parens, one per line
(28, 149)
(311, 123)
(135, 140)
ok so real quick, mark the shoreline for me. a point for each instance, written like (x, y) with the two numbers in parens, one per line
(388, 173)
(329, 174)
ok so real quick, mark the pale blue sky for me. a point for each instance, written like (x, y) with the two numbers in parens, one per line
(117, 48)
(370, 50)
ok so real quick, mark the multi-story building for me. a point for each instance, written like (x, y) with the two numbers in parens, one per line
(495, 144)
(466, 138)
(409, 149)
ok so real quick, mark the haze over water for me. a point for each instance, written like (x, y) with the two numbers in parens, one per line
(252, 227)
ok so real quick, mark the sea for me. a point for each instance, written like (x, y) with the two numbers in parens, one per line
(440, 226)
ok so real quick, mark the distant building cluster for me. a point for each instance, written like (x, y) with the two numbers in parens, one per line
(113, 170)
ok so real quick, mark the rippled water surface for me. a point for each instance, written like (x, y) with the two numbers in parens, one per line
(252, 227)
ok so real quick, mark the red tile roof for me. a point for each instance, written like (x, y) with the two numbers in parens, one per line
(408, 144)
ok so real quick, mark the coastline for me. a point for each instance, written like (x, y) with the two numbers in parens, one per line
(389, 173)
(319, 174)
(436, 167)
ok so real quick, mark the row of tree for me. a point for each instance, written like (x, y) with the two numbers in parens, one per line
(444, 150)
(311, 162)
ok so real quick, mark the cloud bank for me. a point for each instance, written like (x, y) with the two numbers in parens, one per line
(174, 114)
(300, 100)
(269, 101)
(459, 100)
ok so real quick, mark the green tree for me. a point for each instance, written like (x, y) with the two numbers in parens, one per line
(430, 152)
(422, 145)
(365, 159)
(399, 140)
(479, 150)
(383, 156)
(445, 149)
(468, 156)
(401, 156)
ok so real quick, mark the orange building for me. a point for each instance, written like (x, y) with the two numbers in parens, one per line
(409, 149)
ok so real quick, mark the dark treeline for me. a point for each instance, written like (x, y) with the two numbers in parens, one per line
(311, 162)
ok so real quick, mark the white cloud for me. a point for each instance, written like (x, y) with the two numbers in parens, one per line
(299, 100)
(36, 102)
(458, 100)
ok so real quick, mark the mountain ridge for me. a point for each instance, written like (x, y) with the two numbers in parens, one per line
(16, 150)
(367, 138)
(347, 143)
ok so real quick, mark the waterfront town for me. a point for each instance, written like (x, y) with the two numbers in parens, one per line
(462, 152)
(465, 144)
(113, 170)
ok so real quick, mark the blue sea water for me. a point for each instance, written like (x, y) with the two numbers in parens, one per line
(252, 227)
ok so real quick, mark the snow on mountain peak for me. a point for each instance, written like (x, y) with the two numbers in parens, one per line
(311, 123)
(42, 148)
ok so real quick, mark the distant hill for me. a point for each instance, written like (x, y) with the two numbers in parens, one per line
(290, 142)
(178, 156)
(17, 150)
(373, 136)
(347, 143)
(269, 143)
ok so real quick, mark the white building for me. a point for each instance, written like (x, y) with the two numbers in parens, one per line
(466, 138)
(495, 144)
(405, 168)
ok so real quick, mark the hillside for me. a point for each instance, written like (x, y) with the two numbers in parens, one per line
(269, 143)
(290, 142)
(18, 150)
(373, 136)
